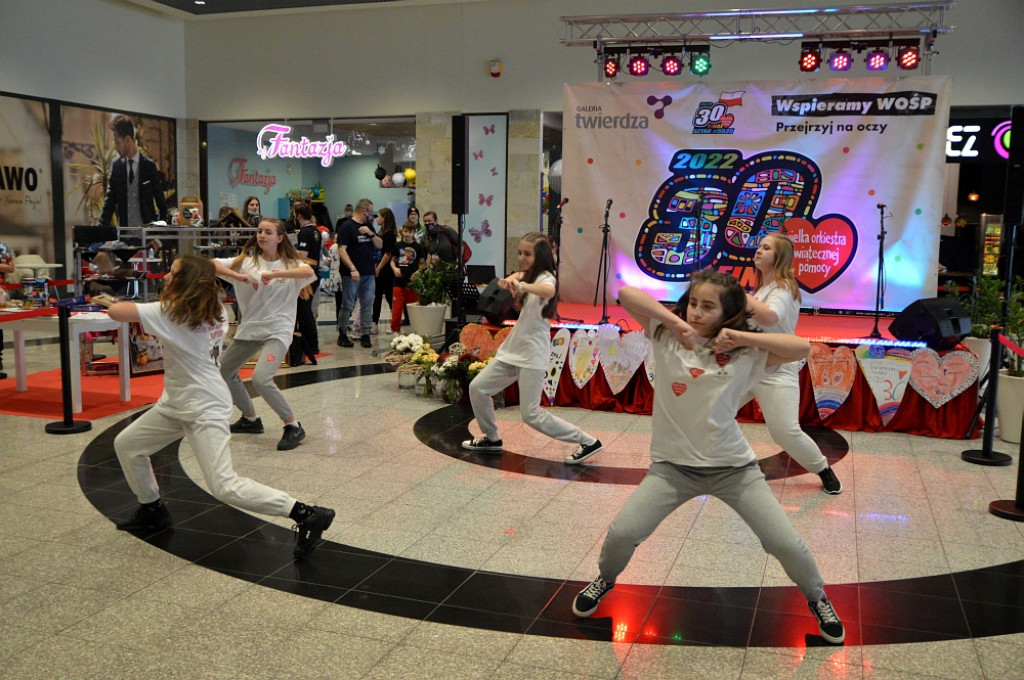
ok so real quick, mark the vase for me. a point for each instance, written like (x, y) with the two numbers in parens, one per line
(427, 320)
(1010, 407)
(982, 348)
(407, 380)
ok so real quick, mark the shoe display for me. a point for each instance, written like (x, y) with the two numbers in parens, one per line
(245, 426)
(147, 518)
(587, 600)
(830, 484)
(311, 529)
(829, 625)
(365, 341)
(482, 444)
(343, 341)
(584, 452)
(293, 434)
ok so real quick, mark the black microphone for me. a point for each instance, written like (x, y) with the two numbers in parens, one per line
(561, 204)
(607, 209)
(880, 206)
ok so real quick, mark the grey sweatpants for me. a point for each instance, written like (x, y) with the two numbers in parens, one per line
(271, 353)
(743, 489)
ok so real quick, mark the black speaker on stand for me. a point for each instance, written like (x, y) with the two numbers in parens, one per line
(939, 322)
(460, 166)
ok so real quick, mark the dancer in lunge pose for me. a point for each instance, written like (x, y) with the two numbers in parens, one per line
(706, 364)
(190, 322)
(275, 274)
(524, 356)
(775, 307)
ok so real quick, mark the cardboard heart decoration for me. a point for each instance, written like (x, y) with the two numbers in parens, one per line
(621, 355)
(696, 372)
(559, 351)
(478, 340)
(832, 375)
(824, 249)
(887, 373)
(583, 356)
(939, 379)
(679, 388)
(649, 363)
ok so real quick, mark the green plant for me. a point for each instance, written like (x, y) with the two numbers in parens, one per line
(431, 284)
(1013, 327)
(984, 304)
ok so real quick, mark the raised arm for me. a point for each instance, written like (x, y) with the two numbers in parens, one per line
(781, 347)
(644, 308)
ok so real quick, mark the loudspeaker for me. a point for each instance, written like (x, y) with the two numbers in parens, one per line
(460, 166)
(940, 322)
(495, 303)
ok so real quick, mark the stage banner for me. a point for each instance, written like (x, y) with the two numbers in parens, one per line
(26, 178)
(675, 178)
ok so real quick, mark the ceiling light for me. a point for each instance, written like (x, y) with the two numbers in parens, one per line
(908, 57)
(671, 65)
(810, 59)
(841, 60)
(700, 61)
(877, 60)
(639, 66)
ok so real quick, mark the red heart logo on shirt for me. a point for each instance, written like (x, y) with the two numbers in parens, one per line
(696, 372)
(722, 358)
(678, 388)
(271, 358)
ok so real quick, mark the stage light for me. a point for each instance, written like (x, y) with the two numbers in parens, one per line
(639, 66)
(611, 67)
(671, 65)
(877, 60)
(810, 59)
(700, 61)
(841, 60)
(908, 57)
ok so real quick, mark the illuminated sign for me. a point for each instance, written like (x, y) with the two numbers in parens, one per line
(978, 140)
(279, 145)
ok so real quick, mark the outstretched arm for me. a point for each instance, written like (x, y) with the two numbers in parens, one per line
(642, 307)
(781, 347)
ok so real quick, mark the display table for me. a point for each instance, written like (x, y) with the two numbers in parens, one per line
(46, 321)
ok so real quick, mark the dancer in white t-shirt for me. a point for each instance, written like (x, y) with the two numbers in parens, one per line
(705, 365)
(195, 404)
(775, 307)
(274, 274)
(524, 356)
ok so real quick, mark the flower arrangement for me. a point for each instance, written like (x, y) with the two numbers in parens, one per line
(431, 283)
(455, 368)
(407, 344)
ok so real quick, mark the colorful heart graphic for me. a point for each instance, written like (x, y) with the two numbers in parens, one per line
(696, 372)
(678, 388)
(939, 379)
(823, 249)
(727, 120)
(832, 375)
(887, 373)
(621, 355)
(583, 356)
(559, 351)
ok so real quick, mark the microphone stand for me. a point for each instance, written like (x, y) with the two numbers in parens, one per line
(602, 272)
(879, 287)
(556, 240)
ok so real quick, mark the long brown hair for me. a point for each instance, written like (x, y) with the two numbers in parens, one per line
(390, 227)
(783, 267)
(731, 296)
(543, 261)
(252, 249)
(192, 298)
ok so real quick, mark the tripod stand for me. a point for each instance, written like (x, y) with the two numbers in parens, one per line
(880, 283)
(603, 263)
(555, 234)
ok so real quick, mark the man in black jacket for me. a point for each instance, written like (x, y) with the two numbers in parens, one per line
(135, 189)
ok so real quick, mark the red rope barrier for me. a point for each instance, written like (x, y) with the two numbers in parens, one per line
(1011, 345)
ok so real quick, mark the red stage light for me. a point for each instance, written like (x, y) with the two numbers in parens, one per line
(908, 58)
(841, 60)
(611, 67)
(639, 66)
(671, 65)
(810, 60)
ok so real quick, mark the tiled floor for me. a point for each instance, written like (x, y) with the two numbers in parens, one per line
(445, 565)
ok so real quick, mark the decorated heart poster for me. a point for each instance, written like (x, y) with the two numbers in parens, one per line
(583, 356)
(832, 375)
(887, 372)
(478, 340)
(559, 351)
(621, 355)
(939, 379)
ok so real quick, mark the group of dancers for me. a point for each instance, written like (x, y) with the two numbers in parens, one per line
(715, 350)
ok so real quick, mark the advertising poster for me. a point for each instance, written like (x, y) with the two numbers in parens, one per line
(26, 198)
(683, 177)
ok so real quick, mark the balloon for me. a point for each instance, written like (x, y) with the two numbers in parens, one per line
(398, 179)
(410, 174)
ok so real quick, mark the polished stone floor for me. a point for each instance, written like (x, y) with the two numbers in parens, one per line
(443, 564)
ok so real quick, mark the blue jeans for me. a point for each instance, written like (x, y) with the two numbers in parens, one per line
(352, 291)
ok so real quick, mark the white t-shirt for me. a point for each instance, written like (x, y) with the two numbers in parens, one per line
(193, 386)
(695, 402)
(268, 310)
(529, 343)
(781, 301)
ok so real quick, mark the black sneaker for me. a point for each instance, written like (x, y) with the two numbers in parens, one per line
(482, 444)
(293, 434)
(584, 452)
(343, 341)
(586, 602)
(365, 341)
(244, 425)
(829, 625)
(147, 518)
(311, 529)
(829, 482)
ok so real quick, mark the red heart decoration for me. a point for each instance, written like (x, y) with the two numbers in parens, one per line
(678, 388)
(271, 358)
(727, 120)
(722, 358)
(823, 249)
(696, 372)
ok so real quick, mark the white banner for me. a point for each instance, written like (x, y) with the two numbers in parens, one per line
(699, 173)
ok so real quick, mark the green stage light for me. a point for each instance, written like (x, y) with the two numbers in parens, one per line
(700, 61)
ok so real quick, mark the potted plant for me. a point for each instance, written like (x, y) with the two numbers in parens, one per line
(1010, 396)
(984, 305)
(431, 287)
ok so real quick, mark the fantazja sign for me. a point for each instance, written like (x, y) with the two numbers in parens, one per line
(282, 146)
(238, 173)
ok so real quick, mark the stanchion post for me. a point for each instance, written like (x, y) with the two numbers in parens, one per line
(68, 425)
(986, 456)
(1012, 509)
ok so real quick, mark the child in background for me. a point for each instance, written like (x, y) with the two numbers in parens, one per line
(407, 257)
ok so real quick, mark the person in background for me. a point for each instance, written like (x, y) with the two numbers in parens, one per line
(407, 257)
(307, 245)
(135, 190)
(356, 243)
(413, 215)
(775, 308)
(274, 277)
(252, 211)
(347, 215)
(6, 267)
(442, 241)
(383, 274)
(708, 358)
(196, 405)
